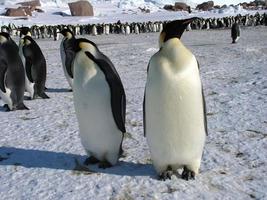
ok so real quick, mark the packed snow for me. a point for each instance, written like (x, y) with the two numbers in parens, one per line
(57, 12)
(41, 154)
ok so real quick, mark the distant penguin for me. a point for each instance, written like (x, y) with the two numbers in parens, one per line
(127, 29)
(174, 106)
(67, 54)
(56, 33)
(24, 31)
(100, 104)
(12, 80)
(235, 32)
(94, 30)
(35, 67)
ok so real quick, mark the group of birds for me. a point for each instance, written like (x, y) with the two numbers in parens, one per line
(51, 31)
(174, 110)
(23, 68)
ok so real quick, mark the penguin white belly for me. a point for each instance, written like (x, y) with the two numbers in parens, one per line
(174, 117)
(63, 59)
(29, 86)
(5, 96)
(98, 131)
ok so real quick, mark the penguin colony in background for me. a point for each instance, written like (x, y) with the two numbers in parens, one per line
(48, 31)
(174, 110)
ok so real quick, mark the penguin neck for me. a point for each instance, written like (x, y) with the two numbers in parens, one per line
(176, 53)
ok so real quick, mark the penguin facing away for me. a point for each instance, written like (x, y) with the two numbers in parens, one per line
(35, 67)
(12, 80)
(67, 54)
(100, 104)
(235, 32)
(174, 106)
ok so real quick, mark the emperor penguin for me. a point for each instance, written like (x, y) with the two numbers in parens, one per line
(235, 32)
(100, 104)
(12, 80)
(67, 53)
(35, 67)
(24, 31)
(174, 106)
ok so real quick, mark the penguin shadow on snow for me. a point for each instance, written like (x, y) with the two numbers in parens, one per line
(58, 90)
(31, 158)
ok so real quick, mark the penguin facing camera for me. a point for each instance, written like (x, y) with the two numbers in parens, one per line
(174, 106)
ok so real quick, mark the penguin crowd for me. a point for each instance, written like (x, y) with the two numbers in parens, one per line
(50, 31)
(175, 130)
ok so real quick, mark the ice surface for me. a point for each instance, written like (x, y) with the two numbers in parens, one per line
(41, 153)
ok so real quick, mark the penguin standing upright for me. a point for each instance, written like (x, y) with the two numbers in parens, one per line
(67, 54)
(235, 32)
(35, 67)
(12, 80)
(100, 104)
(174, 106)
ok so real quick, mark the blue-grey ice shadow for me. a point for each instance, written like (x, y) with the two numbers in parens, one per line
(58, 90)
(31, 158)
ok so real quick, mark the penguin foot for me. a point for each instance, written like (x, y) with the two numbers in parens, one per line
(21, 107)
(188, 174)
(91, 160)
(7, 109)
(44, 96)
(104, 164)
(166, 174)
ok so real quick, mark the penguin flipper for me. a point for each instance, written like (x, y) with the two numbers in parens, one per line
(28, 69)
(204, 107)
(205, 113)
(70, 55)
(3, 69)
(144, 114)
(118, 97)
(28, 65)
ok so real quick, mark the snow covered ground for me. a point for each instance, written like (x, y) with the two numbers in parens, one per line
(112, 11)
(41, 153)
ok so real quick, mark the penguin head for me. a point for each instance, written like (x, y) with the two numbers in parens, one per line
(4, 37)
(83, 44)
(66, 32)
(174, 29)
(27, 40)
(24, 31)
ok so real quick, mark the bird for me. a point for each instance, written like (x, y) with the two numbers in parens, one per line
(100, 104)
(174, 109)
(12, 80)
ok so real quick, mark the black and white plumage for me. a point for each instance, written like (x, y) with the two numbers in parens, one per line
(100, 104)
(67, 54)
(12, 80)
(35, 67)
(235, 32)
(174, 106)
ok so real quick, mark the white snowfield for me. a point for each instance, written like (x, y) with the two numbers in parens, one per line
(41, 154)
(57, 12)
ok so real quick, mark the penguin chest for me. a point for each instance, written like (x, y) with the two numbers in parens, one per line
(174, 112)
(92, 97)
